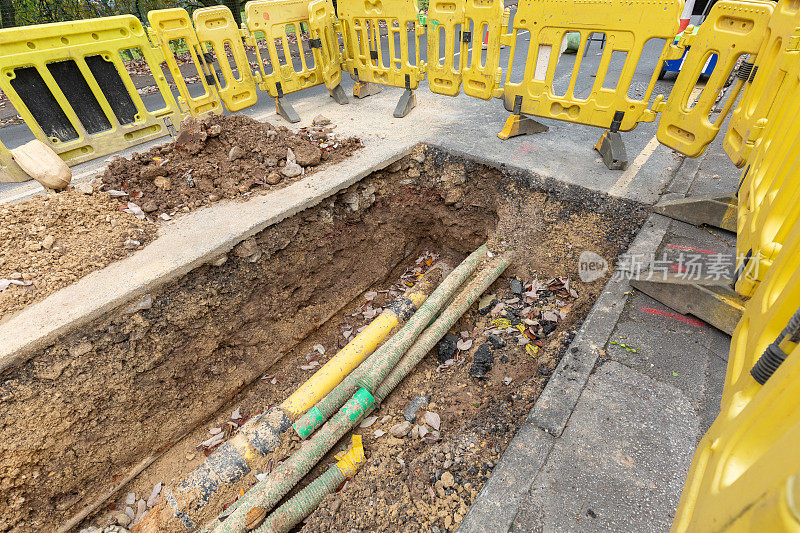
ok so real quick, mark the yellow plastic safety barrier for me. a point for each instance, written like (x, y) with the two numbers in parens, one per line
(215, 26)
(171, 28)
(478, 67)
(328, 59)
(745, 475)
(627, 26)
(272, 18)
(776, 58)
(69, 83)
(768, 206)
(733, 28)
(373, 30)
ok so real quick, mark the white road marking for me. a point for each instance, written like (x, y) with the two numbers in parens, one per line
(620, 188)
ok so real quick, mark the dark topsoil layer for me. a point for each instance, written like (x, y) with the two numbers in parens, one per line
(450, 206)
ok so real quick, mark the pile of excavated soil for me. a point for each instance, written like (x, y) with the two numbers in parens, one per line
(423, 474)
(47, 243)
(222, 157)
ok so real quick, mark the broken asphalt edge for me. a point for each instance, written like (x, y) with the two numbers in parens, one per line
(498, 502)
(183, 245)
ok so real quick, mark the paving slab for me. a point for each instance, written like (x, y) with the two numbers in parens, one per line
(620, 463)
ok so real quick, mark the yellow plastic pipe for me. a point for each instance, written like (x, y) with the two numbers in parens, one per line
(358, 349)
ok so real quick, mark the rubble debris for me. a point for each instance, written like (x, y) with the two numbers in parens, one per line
(482, 362)
(447, 348)
(43, 164)
(410, 412)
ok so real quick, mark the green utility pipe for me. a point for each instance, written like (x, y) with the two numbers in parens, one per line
(431, 336)
(269, 491)
(304, 502)
(371, 372)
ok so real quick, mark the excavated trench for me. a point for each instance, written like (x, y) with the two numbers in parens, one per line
(142, 385)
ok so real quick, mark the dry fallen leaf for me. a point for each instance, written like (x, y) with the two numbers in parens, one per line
(464, 344)
(367, 422)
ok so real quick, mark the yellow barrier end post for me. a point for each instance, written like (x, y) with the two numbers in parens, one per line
(408, 101)
(519, 124)
(611, 147)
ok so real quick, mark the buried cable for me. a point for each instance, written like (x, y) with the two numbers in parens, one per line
(261, 435)
(269, 491)
(385, 357)
(304, 502)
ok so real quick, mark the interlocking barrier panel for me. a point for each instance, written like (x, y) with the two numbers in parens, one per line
(69, 83)
(325, 42)
(732, 29)
(216, 26)
(172, 30)
(768, 197)
(382, 40)
(745, 475)
(627, 25)
(277, 20)
(459, 26)
(778, 55)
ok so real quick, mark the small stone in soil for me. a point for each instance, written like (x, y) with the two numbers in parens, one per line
(235, 153)
(516, 286)
(401, 430)
(482, 362)
(85, 188)
(447, 348)
(274, 178)
(448, 480)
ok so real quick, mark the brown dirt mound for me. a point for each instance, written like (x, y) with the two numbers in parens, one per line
(55, 240)
(220, 157)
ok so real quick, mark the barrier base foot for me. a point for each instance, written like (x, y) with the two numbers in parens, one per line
(521, 125)
(612, 150)
(285, 109)
(339, 96)
(717, 305)
(363, 89)
(712, 210)
(408, 101)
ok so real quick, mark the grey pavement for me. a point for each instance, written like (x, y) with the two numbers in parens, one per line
(615, 484)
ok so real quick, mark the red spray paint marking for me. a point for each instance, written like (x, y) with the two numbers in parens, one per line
(677, 268)
(690, 249)
(524, 148)
(682, 318)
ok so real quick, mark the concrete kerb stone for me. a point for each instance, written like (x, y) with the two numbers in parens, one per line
(180, 248)
(498, 502)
